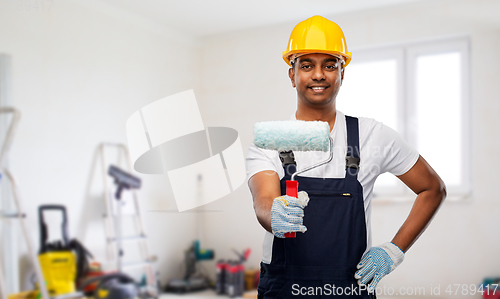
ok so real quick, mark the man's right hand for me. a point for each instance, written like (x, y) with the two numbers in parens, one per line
(287, 214)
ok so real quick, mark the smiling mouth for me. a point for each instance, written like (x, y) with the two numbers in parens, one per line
(318, 89)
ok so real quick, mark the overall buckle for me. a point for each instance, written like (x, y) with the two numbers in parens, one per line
(351, 162)
(287, 158)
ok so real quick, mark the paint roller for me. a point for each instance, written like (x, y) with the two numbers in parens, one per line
(294, 135)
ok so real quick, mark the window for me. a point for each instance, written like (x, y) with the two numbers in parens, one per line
(422, 91)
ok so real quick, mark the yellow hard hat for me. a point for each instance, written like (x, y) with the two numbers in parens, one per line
(317, 35)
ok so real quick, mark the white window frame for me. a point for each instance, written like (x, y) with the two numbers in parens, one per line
(406, 56)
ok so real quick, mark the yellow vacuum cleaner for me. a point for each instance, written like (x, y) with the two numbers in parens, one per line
(57, 260)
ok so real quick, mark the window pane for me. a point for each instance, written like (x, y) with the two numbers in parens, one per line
(370, 90)
(439, 114)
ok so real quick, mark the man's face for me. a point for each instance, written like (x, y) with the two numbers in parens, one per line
(317, 78)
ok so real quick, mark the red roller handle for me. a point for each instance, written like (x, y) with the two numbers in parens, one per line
(292, 188)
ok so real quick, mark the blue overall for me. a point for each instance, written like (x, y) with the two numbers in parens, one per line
(321, 262)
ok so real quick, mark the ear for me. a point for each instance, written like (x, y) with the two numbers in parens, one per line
(291, 74)
(342, 75)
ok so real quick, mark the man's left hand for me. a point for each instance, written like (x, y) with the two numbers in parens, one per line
(377, 263)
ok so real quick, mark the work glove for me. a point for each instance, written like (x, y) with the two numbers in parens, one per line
(377, 263)
(287, 214)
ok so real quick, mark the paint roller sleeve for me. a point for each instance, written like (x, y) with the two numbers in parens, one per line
(294, 135)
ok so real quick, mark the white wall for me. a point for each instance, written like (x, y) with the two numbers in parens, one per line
(79, 72)
(245, 80)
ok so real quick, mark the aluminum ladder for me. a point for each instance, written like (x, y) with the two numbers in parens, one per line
(110, 222)
(18, 213)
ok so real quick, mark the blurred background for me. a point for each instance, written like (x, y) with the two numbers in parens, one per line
(77, 69)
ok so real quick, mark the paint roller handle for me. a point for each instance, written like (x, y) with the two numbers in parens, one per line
(292, 189)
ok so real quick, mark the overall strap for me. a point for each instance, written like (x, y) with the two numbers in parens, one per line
(352, 157)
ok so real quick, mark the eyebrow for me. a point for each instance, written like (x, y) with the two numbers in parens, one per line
(334, 59)
(330, 59)
(306, 60)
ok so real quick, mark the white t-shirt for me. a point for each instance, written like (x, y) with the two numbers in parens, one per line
(381, 150)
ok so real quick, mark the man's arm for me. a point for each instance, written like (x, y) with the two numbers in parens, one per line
(265, 187)
(431, 192)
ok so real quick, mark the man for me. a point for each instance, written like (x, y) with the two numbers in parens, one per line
(333, 254)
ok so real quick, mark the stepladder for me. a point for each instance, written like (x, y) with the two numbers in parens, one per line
(12, 206)
(126, 245)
